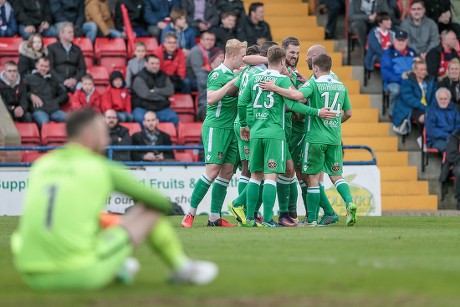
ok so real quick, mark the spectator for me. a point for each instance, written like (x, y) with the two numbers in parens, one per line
(334, 7)
(455, 11)
(8, 25)
(34, 17)
(438, 58)
(452, 81)
(178, 25)
(234, 6)
(417, 94)
(73, 11)
(151, 91)
(252, 28)
(396, 61)
(136, 16)
(202, 15)
(116, 97)
(441, 120)
(173, 63)
(150, 135)
(10, 90)
(401, 9)
(119, 136)
(362, 15)
(98, 11)
(156, 15)
(440, 12)
(29, 52)
(135, 64)
(423, 32)
(226, 30)
(379, 39)
(67, 62)
(87, 96)
(452, 162)
(43, 95)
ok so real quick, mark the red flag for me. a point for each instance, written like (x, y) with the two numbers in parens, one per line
(128, 30)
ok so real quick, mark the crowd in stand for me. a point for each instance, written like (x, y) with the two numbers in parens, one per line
(48, 81)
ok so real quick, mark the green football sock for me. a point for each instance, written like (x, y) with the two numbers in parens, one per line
(241, 199)
(219, 191)
(283, 187)
(324, 201)
(313, 197)
(344, 190)
(165, 242)
(242, 183)
(304, 189)
(259, 201)
(293, 195)
(252, 197)
(268, 197)
(200, 190)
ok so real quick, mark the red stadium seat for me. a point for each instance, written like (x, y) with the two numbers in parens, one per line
(189, 133)
(183, 156)
(67, 106)
(86, 47)
(132, 127)
(100, 75)
(31, 156)
(29, 133)
(53, 134)
(170, 129)
(182, 103)
(110, 52)
(112, 63)
(6, 58)
(150, 44)
(186, 118)
(9, 49)
(49, 40)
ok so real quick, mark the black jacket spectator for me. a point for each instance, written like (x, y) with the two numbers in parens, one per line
(66, 65)
(223, 35)
(159, 138)
(28, 56)
(210, 13)
(10, 94)
(32, 12)
(142, 95)
(235, 6)
(433, 60)
(247, 31)
(135, 12)
(437, 11)
(47, 88)
(452, 164)
(69, 10)
(119, 135)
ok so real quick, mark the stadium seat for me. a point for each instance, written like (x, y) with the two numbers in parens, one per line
(87, 49)
(31, 156)
(425, 150)
(170, 129)
(9, 49)
(189, 133)
(29, 133)
(132, 127)
(100, 76)
(183, 156)
(49, 40)
(110, 52)
(150, 44)
(53, 134)
(184, 106)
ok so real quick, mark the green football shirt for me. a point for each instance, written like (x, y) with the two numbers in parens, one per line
(325, 92)
(268, 107)
(67, 191)
(223, 113)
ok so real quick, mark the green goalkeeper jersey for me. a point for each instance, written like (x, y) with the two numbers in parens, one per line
(325, 92)
(268, 107)
(67, 191)
(221, 114)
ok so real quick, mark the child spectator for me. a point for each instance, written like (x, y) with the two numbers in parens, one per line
(441, 120)
(136, 64)
(29, 52)
(379, 39)
(178, 25)
(87, 96)
(8, 25)
(116, 97)
(227, 29)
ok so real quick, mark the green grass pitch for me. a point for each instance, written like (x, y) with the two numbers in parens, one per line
(383, 261)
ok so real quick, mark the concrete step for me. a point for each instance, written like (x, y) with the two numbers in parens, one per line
(391, 188)
(403, 173)
(410, 202)
(367, 115)
(351, 128)
(359, 101)
(299, 22)
(376, 143)
(384, 158)
(352, 86)
(280, 9)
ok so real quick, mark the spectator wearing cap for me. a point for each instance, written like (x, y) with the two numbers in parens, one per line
(423, 31)
(156, 15)
(185, 34)
(8, 25)
(441, 120)
(116, 97)
(437, 59)
(172, 60)
(202, 15)
(379, 39)
(226, 30)
(395, 61)
(253, 28)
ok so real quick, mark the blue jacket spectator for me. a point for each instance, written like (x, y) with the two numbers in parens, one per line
(8, 25)
(155, 12)
(379, 39)
(441, 120)
(410, 100)
(178, 25)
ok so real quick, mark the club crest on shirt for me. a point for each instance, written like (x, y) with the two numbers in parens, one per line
(123, 95)
(272, 164)
(219, 155)
(215, 75)
(336, 167)
(246, 150)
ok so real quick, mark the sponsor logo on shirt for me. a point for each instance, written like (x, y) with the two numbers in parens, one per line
(219, 155)
(262, 116)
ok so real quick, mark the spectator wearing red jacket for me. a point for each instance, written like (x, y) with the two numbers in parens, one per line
(116, 97)
(172, 63)
(87, 96)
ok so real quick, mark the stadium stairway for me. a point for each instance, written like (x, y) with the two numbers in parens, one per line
(401, 190)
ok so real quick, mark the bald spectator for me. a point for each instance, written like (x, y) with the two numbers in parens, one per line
(151, 136)
(119, 136)
(252, 28)
(11, 88)
(437, 59)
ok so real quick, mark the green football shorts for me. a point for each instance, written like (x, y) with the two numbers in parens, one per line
(267, 155)
(243, 146)
(318, 157)
(220, 145)
(296, 149)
